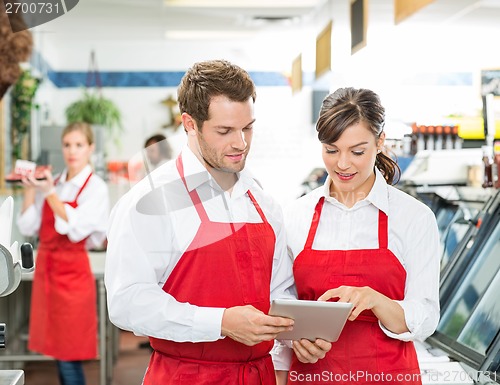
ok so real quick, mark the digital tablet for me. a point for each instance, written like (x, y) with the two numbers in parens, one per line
(313, 319)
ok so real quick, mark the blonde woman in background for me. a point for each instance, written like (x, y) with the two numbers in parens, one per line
(69, 214)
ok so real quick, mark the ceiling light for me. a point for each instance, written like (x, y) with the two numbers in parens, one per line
(207, 35)
(243, 3)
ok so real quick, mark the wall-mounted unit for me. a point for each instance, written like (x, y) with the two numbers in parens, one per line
(359, 22)
(324, 51)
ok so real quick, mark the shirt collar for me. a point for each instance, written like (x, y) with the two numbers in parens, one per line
(79, 179)
(196, 174)
(378, 195)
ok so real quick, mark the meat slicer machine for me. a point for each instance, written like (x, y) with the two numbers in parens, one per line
(14, 260)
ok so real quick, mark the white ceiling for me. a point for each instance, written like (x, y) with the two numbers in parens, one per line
(170, 21)
(151, 19)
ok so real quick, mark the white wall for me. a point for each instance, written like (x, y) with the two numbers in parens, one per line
(284, 136)
(283, 150)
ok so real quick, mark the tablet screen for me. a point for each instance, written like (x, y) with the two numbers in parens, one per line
(313, 319)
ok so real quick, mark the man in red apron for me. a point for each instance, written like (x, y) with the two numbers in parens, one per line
(204, 300)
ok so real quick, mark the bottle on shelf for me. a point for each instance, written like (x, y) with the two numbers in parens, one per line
(457, 140)
(448, 141)
(438, 142)
(414, 138)
(429, 142)
(422, 131)
(488, 166)
(496, 151)
(406, 145)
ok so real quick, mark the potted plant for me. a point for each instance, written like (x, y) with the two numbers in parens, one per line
(22, 96)
(95, 109)
(105, 118)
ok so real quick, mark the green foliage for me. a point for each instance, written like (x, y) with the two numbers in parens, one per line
(22, 95)
(95, 109)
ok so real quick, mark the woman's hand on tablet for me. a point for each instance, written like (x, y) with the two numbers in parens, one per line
(362, 298)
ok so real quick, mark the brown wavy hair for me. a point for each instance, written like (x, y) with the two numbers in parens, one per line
(348, 106)
(207, 79)
(14, 47)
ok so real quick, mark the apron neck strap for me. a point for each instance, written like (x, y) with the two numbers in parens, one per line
(382, 230)
(314, 224)
(195, 198)
(382, 227)
(257, 207)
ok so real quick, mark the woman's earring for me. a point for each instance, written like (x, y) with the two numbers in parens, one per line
(379, 151)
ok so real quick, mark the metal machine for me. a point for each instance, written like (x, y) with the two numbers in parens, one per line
(11, 268)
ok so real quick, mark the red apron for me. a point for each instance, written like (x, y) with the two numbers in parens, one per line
(363, 353)
(63, 318)
(231, 270)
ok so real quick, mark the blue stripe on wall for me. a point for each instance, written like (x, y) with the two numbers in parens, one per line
(74, 79)
(67, 79)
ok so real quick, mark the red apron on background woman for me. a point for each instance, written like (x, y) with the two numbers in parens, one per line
(63, 318)
(226, 265)
(363, 353)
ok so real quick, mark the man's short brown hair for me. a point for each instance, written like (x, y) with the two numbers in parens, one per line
(207, 79)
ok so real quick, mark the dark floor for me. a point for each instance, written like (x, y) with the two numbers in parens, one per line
(128, 369)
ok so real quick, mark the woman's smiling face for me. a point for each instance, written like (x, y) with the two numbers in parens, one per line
(350, 162)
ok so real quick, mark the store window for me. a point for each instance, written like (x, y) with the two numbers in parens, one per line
(482, 327)
(473, 316)
(469, 329)
(454, 221)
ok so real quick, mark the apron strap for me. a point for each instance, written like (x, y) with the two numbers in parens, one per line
(314, 224)
(382, 227)
(382, 230)
(56, 181)
(257, 207)
(83, 186)
(195, 198)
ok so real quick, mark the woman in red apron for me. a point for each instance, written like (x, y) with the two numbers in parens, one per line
(63, 317)
(357, 239)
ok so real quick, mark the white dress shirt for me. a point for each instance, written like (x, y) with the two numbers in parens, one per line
(150, 229)
(89, 219)
(413, 239)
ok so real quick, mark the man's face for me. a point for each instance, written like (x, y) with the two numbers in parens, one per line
(225, 138)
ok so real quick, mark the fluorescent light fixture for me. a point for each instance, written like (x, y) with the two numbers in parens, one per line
(208, 35)
(242, 3)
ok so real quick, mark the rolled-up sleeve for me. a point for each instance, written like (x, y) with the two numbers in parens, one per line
(421, 301)
(90, 217)
(30, 220)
